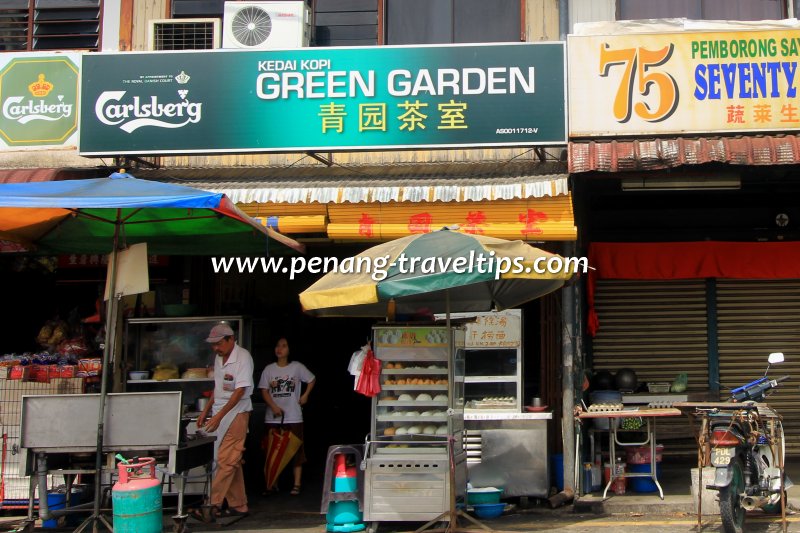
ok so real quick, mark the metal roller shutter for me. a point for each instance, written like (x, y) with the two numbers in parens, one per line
(659, 329)
(756, 318)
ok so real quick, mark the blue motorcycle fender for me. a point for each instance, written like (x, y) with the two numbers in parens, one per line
(722, 477)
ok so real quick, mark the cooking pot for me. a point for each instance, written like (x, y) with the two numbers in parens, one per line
(201, 403)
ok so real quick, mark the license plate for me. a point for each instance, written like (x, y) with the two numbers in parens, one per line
(722, 456)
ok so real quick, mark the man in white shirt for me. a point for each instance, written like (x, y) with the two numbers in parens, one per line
(230, 407)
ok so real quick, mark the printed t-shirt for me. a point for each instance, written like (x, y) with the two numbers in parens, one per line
(284, 383)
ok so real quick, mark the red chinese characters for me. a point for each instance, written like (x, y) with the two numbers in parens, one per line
(531, 218)
(420, 223)
(475, 219)
(365, 224)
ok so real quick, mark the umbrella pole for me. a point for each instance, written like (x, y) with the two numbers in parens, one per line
(110, 339)
(453, 513)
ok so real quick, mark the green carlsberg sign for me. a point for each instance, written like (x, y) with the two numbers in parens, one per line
(39, 98)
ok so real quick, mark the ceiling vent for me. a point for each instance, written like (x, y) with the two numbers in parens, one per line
(266, 25)
(184, 34)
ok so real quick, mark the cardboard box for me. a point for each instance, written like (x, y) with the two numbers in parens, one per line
(19, 372)
(61, 371)
(89, 367)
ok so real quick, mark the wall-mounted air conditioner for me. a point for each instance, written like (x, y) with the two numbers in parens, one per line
(266, 25)
(183, 34)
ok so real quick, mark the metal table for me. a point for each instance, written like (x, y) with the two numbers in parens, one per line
(505, 450)
(649, 416)
(59, 433)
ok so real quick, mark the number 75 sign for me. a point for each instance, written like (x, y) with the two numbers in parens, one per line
(676, 83)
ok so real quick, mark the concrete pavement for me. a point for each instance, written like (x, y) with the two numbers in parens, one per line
(632, 512)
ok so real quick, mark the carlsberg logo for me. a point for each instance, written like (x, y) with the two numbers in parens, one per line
(112, 111)
(24, 111)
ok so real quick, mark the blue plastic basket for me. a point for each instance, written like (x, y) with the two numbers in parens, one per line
(483, 496)
(489, 510)
(643, 484)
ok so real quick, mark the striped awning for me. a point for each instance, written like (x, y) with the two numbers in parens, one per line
(507, 200)
(387, 190)
(457, 182)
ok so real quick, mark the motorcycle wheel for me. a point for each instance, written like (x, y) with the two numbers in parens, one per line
(730, 503)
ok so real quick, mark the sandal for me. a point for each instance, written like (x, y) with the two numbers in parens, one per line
(198, 515)
(296, 490)
(234, 513)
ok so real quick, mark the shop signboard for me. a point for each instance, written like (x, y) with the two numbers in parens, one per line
(39, 100)
(326, 99)
(500, 329)
(491, 329)
(687, 82)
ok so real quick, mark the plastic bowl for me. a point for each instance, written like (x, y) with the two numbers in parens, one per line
(138, 374)
(479, 496)
(489, 510)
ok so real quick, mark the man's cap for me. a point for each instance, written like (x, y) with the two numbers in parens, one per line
(219, 332)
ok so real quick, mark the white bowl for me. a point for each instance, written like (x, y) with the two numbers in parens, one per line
(138, 374)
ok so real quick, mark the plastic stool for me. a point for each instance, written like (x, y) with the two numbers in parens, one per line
(343, 489)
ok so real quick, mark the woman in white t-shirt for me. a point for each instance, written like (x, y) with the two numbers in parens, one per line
(281, 386)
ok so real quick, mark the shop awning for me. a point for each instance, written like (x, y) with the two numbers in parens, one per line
(615, 155)
(457, 182)
(506, 200)
(29, 175)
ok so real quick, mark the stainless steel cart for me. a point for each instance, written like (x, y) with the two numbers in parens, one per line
(59, 436)
(419, 411)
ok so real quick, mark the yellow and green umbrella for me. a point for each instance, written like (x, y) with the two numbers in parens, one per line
(438, 272)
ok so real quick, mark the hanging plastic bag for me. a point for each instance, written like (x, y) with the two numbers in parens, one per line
(368, 382)
(357, 360)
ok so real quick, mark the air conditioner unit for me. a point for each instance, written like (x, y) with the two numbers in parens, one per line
(183, 34)
(266, 25)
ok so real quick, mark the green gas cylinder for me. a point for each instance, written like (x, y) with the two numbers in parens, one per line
(136, 498)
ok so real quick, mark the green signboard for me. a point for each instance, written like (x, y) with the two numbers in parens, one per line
(39, 99)
(227, 101)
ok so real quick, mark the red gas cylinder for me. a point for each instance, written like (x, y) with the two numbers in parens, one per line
(136, 498)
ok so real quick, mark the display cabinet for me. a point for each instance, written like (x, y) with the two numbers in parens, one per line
(493, 379)
(493, 362)
(417, 414)
(150, 342)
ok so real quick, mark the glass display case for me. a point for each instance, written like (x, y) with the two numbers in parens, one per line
(493, 362)
(419, 409)
(179, 342)
(493, 379)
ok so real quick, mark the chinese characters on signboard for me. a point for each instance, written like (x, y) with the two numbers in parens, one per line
(684, 82)
(501, 329)
(324, 98)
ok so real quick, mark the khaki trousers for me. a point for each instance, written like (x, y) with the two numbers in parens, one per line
(228, 480)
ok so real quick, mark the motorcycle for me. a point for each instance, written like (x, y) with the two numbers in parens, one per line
(744, 443)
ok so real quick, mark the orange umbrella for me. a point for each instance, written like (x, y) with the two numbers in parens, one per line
(281, 445)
